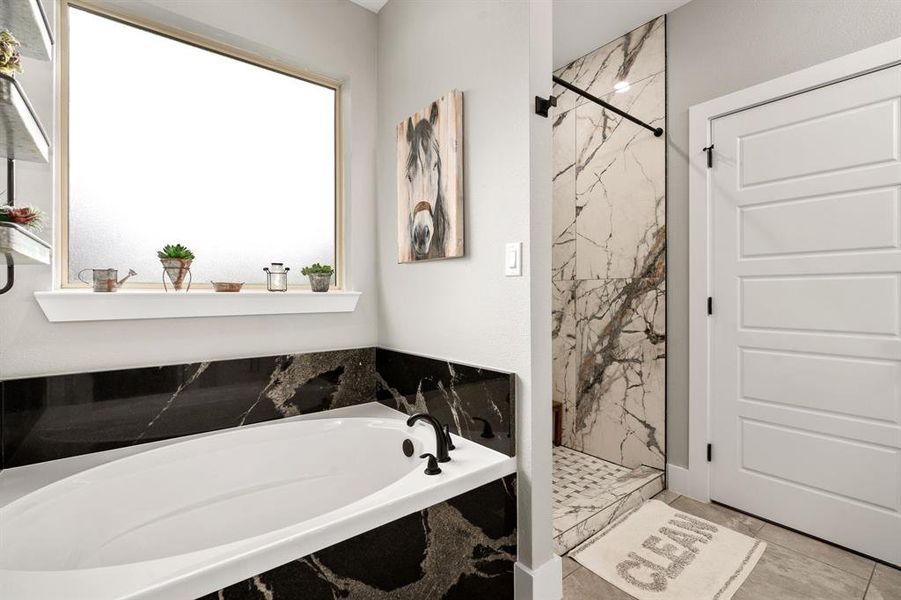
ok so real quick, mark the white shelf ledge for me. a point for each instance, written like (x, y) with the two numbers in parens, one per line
(21, 134)
(24, 247)
(65, 306)
(28, 22)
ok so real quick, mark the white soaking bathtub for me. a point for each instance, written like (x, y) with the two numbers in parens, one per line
(183, 518)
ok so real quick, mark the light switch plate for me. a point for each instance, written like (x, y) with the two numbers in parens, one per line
(513, 259)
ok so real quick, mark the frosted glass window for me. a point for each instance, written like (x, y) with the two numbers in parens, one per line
(172, 143)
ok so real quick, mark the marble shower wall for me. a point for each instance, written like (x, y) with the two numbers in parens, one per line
(609, 275)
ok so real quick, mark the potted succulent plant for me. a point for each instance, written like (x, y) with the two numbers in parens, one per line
(176, 260)
(9, 54)
(320, 276)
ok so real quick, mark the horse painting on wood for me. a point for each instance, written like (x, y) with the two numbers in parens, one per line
(430, 182)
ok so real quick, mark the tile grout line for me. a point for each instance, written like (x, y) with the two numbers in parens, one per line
(800, 533)
(866, 590)
(593, 574)
(843, 570)
(798, 552)
(816, 560)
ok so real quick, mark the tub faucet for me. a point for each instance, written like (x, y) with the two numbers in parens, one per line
(441, 441)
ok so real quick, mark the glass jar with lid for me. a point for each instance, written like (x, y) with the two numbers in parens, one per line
(277, 277)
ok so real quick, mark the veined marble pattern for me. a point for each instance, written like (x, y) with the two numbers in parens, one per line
(589, 493)
(564, 209)
(620, 183)
(609, 336)
(461, 549)
(569, 539)
(47, 418)
(632, 57)
(565, 349)
(476, 403)
(620, 412)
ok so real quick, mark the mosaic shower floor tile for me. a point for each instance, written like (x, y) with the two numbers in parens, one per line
(589, 492)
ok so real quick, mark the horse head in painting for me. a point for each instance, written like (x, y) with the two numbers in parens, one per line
(427, 221)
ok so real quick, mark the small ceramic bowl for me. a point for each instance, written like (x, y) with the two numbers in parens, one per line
(227, 286)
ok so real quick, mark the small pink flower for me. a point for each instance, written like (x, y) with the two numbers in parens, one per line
(26, 216)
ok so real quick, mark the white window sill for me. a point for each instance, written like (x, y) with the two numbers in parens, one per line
(63, 306)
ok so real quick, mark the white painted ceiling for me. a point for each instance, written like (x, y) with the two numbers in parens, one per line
(373, 5)
(581, 26)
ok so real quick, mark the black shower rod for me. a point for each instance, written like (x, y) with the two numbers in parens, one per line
(542, 105)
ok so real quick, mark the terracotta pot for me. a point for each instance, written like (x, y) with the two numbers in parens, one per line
(176, 269)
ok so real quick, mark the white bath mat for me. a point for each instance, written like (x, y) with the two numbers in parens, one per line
(658, 553)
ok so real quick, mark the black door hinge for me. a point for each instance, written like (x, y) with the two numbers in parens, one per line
(709, 305)
(709, 151)
(543, 105)
(709, 452)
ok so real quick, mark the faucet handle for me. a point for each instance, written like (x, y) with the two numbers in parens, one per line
(448, 439)
(487, 432)
(432, 468)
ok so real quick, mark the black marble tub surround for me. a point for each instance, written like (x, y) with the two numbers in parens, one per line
(476, 403)
(47, 418)
(461, 549)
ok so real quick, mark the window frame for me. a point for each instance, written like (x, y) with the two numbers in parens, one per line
(203, 43)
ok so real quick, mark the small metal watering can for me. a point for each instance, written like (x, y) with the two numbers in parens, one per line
(104, 280)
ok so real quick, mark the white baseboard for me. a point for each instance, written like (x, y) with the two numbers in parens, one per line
(543, 583)
(677, 479)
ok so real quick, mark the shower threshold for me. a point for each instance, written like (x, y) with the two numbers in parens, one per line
(590, 492)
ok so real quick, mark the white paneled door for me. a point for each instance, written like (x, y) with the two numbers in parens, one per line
(806, 329)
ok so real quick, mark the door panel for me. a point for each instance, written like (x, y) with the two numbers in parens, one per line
(823, 462)
(806, 336)
(864, 388)
(856, 137)
(870, 431)
(839, 303)
(771, 229)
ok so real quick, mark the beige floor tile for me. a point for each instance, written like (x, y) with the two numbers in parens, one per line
(726, 517)
(784, 574)
(885, 584)
(585, 585)
(842, 559)
(667, 496)
(569, 565)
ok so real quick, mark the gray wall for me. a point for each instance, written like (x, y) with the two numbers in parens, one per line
(465, 309)
(719, 46)
(460, 309)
